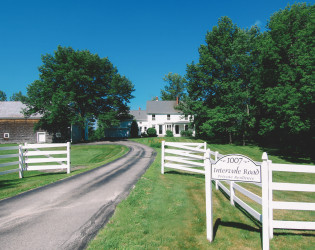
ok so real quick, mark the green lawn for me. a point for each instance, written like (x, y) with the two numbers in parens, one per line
(83, 158)
(168, 212)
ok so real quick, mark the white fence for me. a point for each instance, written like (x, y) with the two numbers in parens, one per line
(11, 163)
(32, 157)
(267, 185)
(183, 156)
(283, 205)
(31, 161)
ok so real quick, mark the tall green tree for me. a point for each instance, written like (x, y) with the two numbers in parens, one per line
(220, 86)
(175, 87)
(18, 96)
(287, 97)
(75, 86)
(3, 96)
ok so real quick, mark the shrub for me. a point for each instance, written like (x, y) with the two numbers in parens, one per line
(151, 132)
(134, 130)
(187, 133)
(169, 133)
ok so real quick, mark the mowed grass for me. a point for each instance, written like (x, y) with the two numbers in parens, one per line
(83, 158)
(168, 212)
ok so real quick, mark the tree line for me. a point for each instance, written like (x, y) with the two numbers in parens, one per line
(255, 86)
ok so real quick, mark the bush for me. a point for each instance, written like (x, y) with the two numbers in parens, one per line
(187, 133)
(151, 132)
(144, 134)
(169, 133)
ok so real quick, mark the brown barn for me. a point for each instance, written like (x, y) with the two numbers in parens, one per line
(15, 128)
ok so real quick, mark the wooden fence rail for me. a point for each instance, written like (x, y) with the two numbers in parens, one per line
(11, 163)
(29, 157)
(186, 159)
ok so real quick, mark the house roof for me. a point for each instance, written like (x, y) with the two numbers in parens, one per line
(162, 107)
(139, 114)
(13, 110)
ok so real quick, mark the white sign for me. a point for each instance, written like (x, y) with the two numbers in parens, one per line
(236, 168)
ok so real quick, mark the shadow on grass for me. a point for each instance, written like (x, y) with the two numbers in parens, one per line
(290, 156)
(6, 183)
(238, 225)
(294, 234)
(255, 221)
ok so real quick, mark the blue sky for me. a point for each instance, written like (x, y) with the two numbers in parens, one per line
(145, 40)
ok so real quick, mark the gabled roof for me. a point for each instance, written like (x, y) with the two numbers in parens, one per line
(162, 107)
(13, 110)
(139, 115)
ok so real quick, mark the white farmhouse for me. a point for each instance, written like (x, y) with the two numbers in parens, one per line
(161, 115)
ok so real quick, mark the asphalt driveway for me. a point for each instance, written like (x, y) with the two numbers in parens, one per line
(68, 213)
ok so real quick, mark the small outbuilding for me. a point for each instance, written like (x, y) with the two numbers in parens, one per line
(15, 128)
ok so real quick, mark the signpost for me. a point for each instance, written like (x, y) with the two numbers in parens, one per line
(232, 167)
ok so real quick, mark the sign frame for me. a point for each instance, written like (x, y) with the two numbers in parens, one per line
(240, 166)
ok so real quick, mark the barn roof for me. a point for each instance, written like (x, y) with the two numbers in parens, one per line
(13, 110)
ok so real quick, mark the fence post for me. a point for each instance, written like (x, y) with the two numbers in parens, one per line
(68, 158)
(20, 162)
(270, 199)
(26, 157)
(209, 216)
(232, 193)
(216, 153)
(265, 201)
(162, 157)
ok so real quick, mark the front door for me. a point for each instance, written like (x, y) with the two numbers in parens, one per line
(177, 129)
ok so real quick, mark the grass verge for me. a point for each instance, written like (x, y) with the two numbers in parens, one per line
(168, 212)
(83, 158)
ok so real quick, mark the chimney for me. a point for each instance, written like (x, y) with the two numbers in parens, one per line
(139, 108)
(157, 98)
(177, 100)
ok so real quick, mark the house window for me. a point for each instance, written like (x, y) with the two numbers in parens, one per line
(186, 117)
(168, 117)
(177, 129)
(160, 129)
(153, 117)
(6, 135)
(169, 127)
(41, 137)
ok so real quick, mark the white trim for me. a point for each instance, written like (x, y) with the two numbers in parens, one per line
(38, 137)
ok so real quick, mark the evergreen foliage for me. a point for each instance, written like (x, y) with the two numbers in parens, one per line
(169, 133)
(3, 96)
(151, 132)
(134, 130)
(18, 97)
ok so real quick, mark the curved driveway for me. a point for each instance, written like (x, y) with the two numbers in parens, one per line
(68, 213)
